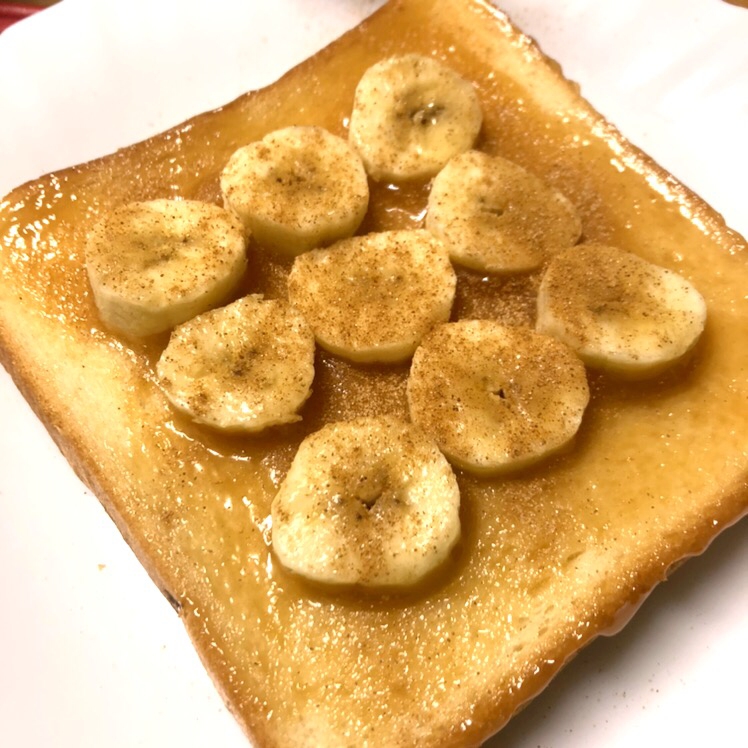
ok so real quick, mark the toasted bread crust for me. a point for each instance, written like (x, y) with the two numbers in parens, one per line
(90, 389)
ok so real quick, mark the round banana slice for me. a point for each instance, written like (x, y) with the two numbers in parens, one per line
(496, 398)
(243, 367)
(497, 217)
(372, 298)
(155, 264)
(297, 188)
(410, 115)
(618, 311)
(369, 502)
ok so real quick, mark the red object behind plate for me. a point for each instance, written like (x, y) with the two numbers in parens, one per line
(12, 12)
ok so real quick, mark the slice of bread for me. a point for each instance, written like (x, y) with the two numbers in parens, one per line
(546, 564)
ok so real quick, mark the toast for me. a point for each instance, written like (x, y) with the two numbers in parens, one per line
(640, 573)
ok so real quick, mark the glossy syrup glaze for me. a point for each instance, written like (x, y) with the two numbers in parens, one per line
(548, 556)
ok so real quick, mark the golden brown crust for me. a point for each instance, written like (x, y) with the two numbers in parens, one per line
(515, 605)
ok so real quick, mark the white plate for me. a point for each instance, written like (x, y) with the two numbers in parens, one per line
(90, 653)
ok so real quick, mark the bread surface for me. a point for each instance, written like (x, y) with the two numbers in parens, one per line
(550, 557)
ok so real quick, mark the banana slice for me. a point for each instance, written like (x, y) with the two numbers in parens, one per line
(369, 502)
(497, 217)
(155, 264)
(372, 298)
(496, 398)
(618, 311)
(297, 188)
(243, 367)
(410, 115)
